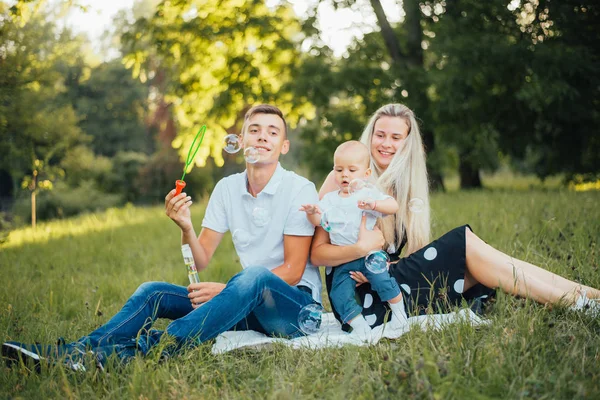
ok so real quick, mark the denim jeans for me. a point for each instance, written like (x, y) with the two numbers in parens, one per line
(343, 288)
(254, 299)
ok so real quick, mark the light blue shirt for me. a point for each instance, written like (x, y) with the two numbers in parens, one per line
(348, 215)
(258, 224)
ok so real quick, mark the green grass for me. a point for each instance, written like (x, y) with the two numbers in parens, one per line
(70, 276)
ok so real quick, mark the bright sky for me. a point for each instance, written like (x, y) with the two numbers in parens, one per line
(338, 27)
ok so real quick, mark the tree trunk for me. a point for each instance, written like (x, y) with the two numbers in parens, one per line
(33, 207)
(414, 33)
(414, 61)
(389, 36)
(436, 180)
(412, 67)
(469, 175)
(33, 210)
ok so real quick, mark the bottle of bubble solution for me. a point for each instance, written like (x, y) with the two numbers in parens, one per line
(188, 259)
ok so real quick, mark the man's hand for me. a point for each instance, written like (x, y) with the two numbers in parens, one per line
(202, 292)
(178, 209)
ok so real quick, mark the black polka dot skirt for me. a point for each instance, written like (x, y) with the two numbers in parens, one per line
(431, 280)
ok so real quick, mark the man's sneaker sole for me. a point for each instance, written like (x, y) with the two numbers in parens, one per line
(14, 353)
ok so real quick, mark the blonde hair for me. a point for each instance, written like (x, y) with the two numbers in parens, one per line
(355, 148)
(405, 179)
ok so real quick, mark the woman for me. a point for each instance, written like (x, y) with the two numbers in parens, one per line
(436, 275)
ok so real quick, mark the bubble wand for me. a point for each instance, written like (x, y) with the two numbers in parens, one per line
(180, 183)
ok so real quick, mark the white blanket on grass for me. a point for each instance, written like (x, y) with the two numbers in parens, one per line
(331, 334)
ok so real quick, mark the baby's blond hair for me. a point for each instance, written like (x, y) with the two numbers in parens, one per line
(356, 148)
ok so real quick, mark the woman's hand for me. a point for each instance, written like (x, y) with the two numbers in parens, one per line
(358, 277)
(178, 209)
(202, 292)
(369, 240)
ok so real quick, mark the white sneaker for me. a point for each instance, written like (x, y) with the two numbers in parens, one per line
(395, 327)
(362, 335)
(588, 306)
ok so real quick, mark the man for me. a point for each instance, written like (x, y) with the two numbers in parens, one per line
(272, 238)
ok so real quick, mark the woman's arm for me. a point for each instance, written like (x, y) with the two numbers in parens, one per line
(328, 186)
(325, 253)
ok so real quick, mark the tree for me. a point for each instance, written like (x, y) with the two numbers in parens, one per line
(478, 55)
(519, 80)
(112, 107)
(215, 60)
(561, 87)
(35, 131)
(407, 65)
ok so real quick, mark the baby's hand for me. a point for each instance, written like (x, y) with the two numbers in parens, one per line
(310, 209)
(367, 204)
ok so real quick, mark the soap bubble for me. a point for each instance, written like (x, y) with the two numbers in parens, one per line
(357, 185)
(416, 205)
(260, 216)
(309, 318)
(232, 144)
(252, 155)
(364, 190)
(334, 220)
(241, 238)
(377, 261)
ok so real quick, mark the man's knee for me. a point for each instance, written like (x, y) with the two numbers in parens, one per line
(148, 289)
(255, 274)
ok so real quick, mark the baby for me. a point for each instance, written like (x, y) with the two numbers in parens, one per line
(351, 161)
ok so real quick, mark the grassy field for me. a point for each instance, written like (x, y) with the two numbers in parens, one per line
(70, 276)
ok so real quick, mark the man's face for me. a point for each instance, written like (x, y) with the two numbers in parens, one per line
(266, 133)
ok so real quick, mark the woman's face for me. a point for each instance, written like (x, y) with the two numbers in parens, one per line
(388, 137)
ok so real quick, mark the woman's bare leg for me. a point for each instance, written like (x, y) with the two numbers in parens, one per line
(556, 280)
(493, 268)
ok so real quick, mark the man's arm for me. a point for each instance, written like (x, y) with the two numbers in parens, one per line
(203, 250)
(295, 257)
(203, 247)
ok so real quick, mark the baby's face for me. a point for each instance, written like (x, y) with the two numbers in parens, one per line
(347, 167)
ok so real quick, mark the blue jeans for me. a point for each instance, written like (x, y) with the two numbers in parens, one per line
(254, 299)
(343, 288)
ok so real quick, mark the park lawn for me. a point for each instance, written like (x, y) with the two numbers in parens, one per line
(70, 276)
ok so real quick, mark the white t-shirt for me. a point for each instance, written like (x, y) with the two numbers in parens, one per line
(258, 223)
(348, 216)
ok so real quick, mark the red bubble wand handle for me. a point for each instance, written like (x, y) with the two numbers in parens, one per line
(180, 183)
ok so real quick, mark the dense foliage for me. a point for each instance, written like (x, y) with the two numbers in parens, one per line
(494, 83)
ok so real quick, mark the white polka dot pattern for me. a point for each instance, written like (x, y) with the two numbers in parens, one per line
(459, 286)
(368, 301)
(405, 288)
(430, 253)
(371, 319)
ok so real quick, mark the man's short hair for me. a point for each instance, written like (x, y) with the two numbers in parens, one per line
(264, 109)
